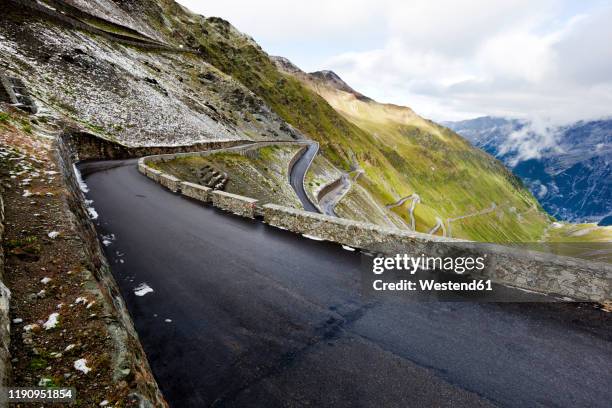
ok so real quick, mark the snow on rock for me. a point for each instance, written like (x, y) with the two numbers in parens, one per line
(45, 280)
(82, 184)
(312, 237)
(52, 321)
(53, 234)
(142, 289)
(93, 214)
(81, 365)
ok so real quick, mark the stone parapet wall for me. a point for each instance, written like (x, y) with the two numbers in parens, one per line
(170, 182)
(236, 204)
(196, 191)
(538, 271)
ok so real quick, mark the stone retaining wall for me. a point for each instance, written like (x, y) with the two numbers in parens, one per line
(537, 271)
(128, 357)
(85, 146)
(5, 323)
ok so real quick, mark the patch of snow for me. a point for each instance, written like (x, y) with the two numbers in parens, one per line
(168, 320)
(556, 225)
(142, 289)
(45, 280)
(26, 193)
(348, 248)
(81, 365)
(79, 178)
(108, 239)
(69, 347)
(93, 214)
(53, 234)
(44, 382)
(52, 321)
(89, 305)
(80, 300)
(312, 237)
(104, 403)
(17, 320)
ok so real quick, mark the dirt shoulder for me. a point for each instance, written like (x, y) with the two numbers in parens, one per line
(65, 328)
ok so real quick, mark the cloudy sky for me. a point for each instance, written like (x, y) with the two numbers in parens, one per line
(448, 60)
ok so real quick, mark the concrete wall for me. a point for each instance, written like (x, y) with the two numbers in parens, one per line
(5, 324)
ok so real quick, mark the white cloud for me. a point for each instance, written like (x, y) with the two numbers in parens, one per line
(448, 60)
(531, 141)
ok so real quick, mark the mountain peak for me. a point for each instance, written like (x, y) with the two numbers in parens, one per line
(285, 65)
(330, 78)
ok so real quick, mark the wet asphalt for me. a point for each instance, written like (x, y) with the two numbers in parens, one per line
(246, 315)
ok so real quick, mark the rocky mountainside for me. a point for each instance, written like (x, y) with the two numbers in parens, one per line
(567, 168)
(149, 72)
(146, 90)
(441, 181)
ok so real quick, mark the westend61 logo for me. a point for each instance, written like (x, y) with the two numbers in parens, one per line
(429, 275)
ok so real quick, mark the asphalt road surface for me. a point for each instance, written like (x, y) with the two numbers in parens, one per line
(246, 315)
(296, 178)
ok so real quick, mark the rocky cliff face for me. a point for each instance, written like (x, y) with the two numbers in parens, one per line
(567, 168)
(121, 89)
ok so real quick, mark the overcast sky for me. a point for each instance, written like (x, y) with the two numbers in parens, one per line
(448, 60)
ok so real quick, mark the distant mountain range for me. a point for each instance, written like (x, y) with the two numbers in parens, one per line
(567, 168)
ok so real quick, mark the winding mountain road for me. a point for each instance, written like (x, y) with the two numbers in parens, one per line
(246, 315)
(415, 200)
(298, 172)
(329, 201)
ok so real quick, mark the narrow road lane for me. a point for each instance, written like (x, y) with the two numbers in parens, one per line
(298, 172)
(246, 315)
(329, 201)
